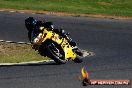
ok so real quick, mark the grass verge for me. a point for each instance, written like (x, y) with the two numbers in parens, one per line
(16, 53)
(104, 7)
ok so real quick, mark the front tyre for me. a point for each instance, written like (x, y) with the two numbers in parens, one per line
(78, 59)
(56, 52)
(79, 55)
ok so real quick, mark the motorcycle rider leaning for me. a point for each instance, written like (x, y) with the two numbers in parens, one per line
(35, 33)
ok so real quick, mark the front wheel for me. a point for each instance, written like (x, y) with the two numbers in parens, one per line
(56, 52)
(79, 55)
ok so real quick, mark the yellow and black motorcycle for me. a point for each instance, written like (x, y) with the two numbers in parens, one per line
(56, 46)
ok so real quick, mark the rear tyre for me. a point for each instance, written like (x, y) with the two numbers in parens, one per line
(56, 52)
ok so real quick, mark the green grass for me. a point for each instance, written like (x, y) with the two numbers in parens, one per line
(15, 53)
(106, 7)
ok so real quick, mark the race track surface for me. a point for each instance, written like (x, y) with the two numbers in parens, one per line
(109, 39)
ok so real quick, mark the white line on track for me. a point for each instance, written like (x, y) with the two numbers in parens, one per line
(15, 42)
(24, 63)
(2, 40)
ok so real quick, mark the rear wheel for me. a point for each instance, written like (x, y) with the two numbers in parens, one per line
(56, 52)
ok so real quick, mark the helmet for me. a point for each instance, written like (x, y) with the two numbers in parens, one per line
(30, 22)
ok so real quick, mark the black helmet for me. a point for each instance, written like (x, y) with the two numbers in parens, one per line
(30, 22)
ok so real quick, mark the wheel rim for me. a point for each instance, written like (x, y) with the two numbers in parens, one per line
(55, 51)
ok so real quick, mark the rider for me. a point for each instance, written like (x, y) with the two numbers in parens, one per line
(34, 33)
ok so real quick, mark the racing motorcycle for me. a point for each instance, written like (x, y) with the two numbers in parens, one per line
(57, 47)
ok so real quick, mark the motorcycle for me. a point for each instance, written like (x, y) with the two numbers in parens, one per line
(57, 47)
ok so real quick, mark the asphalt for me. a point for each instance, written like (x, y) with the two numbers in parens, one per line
(109, 39)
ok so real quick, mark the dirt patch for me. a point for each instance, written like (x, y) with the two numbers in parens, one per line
(17, 53)
(8, 48)
(69, 14)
